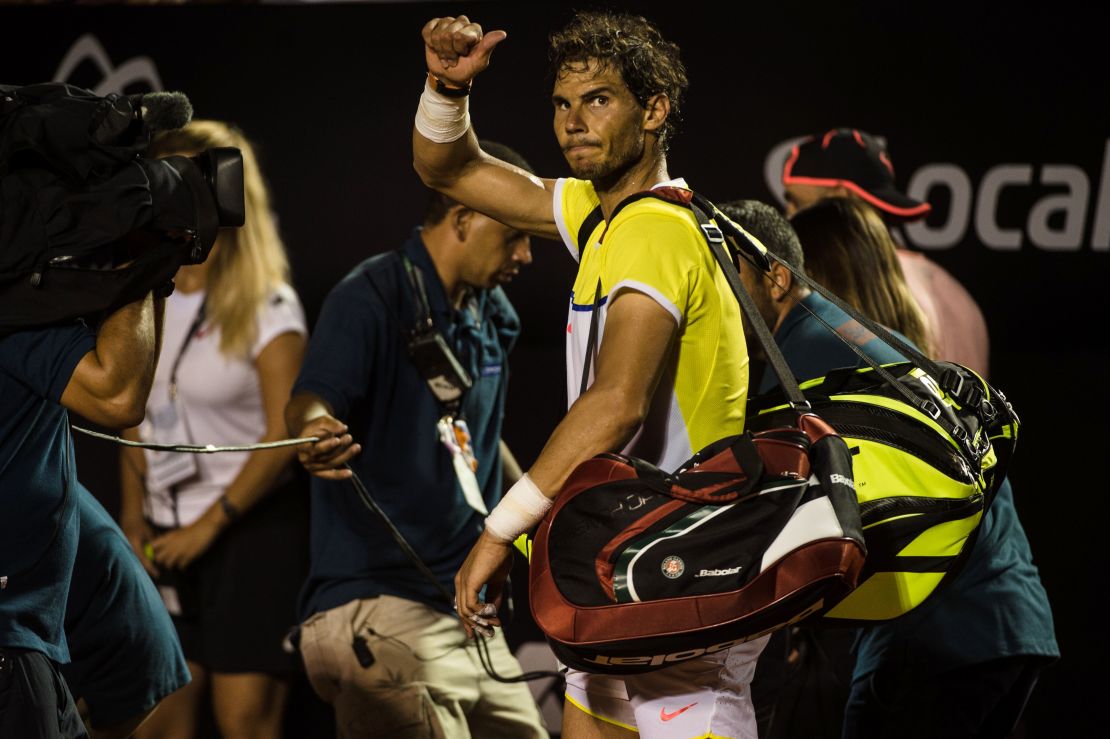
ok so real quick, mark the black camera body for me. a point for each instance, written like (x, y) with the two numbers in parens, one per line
(88, 222)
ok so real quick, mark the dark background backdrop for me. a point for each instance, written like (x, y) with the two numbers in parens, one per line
(329, 91)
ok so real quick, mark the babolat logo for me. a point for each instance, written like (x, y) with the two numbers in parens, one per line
(718, 573)
(838, 478)
(659, 659)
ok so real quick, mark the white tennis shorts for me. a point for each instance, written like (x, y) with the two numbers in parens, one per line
(705, 697)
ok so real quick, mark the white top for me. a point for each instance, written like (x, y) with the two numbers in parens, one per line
(220, 398)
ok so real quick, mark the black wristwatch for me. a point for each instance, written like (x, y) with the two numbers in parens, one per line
(447, 89)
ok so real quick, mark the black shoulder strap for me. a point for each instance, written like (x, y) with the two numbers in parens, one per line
(424, 324)
(588, 225)
(745, 246)
(760, 259)
(591, 342)
(419, 294)
(716, 240)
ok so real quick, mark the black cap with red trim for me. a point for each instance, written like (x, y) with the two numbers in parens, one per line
(856, 160)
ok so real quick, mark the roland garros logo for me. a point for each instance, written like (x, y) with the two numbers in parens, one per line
(673, 567)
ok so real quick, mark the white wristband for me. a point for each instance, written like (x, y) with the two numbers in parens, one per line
(440, 118)
(521, 509)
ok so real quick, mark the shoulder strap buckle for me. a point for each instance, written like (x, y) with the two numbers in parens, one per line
(930, 409)
(712, 233)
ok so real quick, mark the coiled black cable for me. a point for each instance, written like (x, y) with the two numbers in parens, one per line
(480, 643)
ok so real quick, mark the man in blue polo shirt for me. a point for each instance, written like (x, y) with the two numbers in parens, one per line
(45, 373)
(964, 663)
(380, 642)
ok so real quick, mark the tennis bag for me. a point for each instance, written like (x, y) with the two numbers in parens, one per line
(931, 442)
(634, 568)
(924, 477)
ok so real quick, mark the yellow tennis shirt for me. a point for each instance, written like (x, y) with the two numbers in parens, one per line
(656, 248)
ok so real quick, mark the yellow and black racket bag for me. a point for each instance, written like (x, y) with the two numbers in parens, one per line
(930, 444)
(924, 474)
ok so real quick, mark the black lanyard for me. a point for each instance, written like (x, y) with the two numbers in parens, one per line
(426, 346)
(425, 334)
(420, 295)
(198, 321)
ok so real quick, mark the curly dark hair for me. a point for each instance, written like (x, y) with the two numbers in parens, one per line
(647, 62)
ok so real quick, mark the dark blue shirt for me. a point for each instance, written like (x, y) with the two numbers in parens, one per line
(811, 350)
(358, 363)
(38, 481)
(996, 607)
(125, 650)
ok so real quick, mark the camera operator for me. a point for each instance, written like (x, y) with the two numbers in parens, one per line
(45, 373)
(91, 231)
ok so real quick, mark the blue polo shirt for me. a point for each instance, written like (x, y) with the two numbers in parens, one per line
(38, 480)
(996, 607)
(358, 363)
(811, 350)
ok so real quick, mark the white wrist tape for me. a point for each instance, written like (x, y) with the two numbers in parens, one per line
(440, 118)
(521, 509)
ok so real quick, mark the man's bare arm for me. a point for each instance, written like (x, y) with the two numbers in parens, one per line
(639, 334)
(456, 50)
(638, 337)
(306, 415)
(111, 383)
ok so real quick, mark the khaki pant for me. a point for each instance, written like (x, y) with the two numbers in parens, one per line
(424, 680)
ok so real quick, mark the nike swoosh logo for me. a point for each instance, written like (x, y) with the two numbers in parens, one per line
(664, 716)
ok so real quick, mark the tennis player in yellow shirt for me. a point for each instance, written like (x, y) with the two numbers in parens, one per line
(670, 370)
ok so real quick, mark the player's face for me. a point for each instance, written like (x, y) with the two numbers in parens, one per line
(598, 122)
(800, 197)
(495, 252)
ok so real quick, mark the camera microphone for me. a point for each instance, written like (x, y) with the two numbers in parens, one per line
(163, 111)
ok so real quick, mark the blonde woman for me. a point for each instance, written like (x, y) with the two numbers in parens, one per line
(224, 535)
(848, 249)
